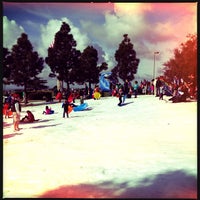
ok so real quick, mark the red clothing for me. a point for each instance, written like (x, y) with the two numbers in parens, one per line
(30, 117)
(59, 96)
(48, 111)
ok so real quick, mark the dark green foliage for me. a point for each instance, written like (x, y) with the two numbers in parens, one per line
(184, 62)
(6, 65)
(114, 76)
(89, 59)
(88, 71)
(63, 56)
(103, 66)
(127, 63)
(25, 64)
(69, 64)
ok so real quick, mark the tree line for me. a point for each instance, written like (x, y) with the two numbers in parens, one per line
(22, 65)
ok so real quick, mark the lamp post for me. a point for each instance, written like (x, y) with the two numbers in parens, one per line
(154, 60)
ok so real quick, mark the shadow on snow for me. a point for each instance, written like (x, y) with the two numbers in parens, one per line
(11, 135)
(173, 184)
(124, 104)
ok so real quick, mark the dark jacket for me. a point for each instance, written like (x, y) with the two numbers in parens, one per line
(13, 108)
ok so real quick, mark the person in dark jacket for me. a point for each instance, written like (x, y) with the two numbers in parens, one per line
(120, 94)
(65, 107)
(158, 85)
(126, 90)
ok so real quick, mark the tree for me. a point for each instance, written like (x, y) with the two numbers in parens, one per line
(6, 64)
(103, 66)
(184, 62)
(63, 56)
(127, 63)
(26, 64)
(114, 76)
(89, 71)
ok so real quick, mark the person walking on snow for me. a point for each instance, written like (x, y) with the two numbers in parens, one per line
(126, 90)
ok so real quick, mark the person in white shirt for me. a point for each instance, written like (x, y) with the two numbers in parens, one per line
(16, 109)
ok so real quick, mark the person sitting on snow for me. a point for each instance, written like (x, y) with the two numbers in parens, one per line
(181, 94)
(29, 117)
(48, 111)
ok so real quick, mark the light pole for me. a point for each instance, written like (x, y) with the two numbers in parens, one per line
(154, 60)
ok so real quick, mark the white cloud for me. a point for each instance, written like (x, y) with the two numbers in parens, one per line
(11, 32)
(151, 27)
(49, 30)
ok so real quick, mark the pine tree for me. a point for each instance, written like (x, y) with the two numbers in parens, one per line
(63, 56)
(26, 64)
(127, 63)
(90, 70)
(6, 64)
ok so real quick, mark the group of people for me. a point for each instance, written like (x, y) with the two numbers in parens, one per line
(178, 89)
(12, 104)
(123, 91)
(181, 90)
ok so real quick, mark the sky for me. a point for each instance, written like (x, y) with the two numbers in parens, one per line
(151, 27)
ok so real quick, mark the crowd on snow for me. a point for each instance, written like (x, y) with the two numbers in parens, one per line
(178, 89)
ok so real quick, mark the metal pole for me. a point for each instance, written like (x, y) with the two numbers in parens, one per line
(154, 65)
(154, 62)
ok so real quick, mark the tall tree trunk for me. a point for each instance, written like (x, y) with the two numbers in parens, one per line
(90, 89)
(68, 85)
(59, 85)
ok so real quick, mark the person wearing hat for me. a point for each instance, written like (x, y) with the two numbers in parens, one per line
(16, 109)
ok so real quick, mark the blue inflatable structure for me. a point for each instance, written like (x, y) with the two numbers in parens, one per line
(81, 107)
(104, 84)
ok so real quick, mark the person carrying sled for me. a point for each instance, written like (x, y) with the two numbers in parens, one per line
(65, 107)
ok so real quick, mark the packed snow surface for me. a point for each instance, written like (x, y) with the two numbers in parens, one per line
(107, 145)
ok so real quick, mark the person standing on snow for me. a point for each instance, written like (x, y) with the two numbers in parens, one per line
(158, 85)
(120, 94)
(126, 90)
(65, 108)
(16, 109)
(135, 88)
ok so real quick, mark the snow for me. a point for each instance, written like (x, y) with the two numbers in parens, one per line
(107, 151)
